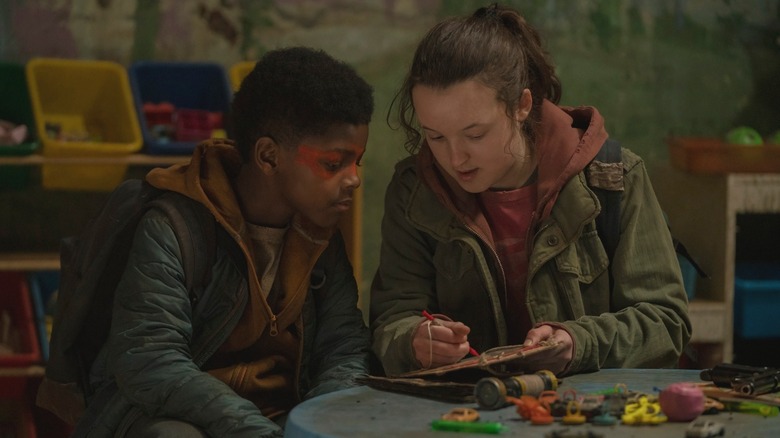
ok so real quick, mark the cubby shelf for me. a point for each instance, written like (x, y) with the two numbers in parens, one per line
(29, 261)
(703, 210)
(131, 159)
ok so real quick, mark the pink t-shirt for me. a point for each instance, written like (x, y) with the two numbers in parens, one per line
(509, 215)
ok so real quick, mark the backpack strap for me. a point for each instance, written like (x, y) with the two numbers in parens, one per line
(196, 231)
(605, 177)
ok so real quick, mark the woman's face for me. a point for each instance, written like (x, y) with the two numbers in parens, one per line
(472, 138)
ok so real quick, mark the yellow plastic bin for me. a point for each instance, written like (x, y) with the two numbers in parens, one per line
(84, 112)
(238, 72)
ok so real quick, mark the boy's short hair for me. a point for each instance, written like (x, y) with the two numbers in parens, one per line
(297, 92)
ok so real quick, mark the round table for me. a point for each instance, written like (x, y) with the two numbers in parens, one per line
(364, 412)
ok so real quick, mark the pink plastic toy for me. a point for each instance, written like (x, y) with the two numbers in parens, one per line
(682, 401)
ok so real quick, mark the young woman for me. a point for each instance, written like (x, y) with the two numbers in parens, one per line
(489, 225)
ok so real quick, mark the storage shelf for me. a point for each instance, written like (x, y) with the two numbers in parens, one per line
(703, 210)
(29, 371)
(130, 159)
(707, 320)
(29, 261)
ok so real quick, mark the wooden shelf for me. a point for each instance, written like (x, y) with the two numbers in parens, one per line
(29, 261)
(30, 371)
(132, 159)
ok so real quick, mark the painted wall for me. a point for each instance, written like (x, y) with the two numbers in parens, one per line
(653, 68)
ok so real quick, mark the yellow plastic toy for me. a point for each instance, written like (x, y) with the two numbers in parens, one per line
(573, 414)
(643, 411)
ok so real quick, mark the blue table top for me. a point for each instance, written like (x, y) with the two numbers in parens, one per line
(365, 412)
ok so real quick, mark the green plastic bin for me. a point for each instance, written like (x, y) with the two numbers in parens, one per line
(15, 107)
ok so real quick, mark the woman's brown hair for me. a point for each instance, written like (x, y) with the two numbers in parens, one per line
(494, 46)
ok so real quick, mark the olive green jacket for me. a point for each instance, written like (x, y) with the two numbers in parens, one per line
(436, 256)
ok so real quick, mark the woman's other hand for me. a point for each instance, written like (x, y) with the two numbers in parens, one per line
(555, 359)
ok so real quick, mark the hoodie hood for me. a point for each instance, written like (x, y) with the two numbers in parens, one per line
(208, 179)
(567, 140)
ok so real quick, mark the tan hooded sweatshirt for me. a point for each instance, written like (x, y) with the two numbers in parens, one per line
(260, 359)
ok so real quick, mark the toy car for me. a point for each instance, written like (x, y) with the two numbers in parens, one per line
(704, 429)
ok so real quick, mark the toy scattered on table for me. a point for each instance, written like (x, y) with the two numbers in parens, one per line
(682, 401)
(704, 429)
(530, 408)
(712, 406)
(492, 392)
(644, 410)
(461, 414)
(12, 134)
(755, 408)
(573, 432)
(605, 419)
(573, 414)
(461, 426)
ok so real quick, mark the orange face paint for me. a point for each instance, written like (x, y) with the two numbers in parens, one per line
(326, 164)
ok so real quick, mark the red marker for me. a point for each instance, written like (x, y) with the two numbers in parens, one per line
(430, 317)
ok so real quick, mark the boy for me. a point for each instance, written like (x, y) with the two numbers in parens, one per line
(266, 338)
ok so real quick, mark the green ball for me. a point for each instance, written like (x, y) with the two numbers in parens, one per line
(744, 135)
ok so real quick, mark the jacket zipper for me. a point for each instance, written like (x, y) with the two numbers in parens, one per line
(502, 336)
(274, 329)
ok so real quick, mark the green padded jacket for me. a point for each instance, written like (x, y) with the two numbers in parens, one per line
(159, 342)
(435, 255)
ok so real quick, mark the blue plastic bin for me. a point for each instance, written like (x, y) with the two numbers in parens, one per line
(757, 300)
(185, 85)
(43, 286)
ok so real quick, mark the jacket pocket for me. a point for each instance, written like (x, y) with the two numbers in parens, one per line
(452, 260)
(586, 258)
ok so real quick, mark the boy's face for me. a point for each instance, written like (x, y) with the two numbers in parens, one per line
(318, 178)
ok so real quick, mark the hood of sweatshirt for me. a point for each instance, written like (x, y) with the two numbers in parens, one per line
(567, 140)
(208, 179)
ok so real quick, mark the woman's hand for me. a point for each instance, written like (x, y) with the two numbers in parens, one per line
(555, 359)
(440, 342)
